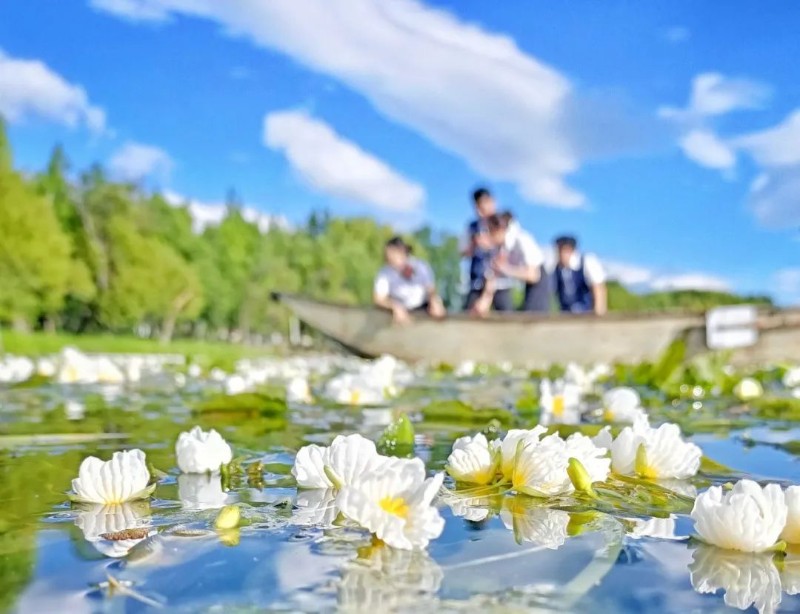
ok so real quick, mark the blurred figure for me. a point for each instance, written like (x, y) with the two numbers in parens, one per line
(406, 284)
(480, 251)
(517, 257)
(580, 279)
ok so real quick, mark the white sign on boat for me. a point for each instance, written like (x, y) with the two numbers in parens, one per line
(731, 327)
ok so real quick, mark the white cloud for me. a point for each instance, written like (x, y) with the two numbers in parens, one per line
(210, 213)
(706, 149)
(628, 274)
(690, 281)
(134, 10)
(471, 92)
(715, 94)
(336, 166)
(30, 89)
(777, 146)
(787, 285)
(775, 198)
(677, 34)
(136, 161)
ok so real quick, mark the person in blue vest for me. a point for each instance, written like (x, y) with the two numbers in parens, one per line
(479, 249)
(518, 259)
(406, 285)
(580, 279)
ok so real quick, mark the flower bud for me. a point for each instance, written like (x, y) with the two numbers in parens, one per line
(579, 476)
(228, 518)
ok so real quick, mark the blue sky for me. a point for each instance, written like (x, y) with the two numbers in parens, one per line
(665, 134)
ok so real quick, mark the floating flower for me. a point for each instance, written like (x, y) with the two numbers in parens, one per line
(791, 532)
(623, 405)
(508, 447)
(199, 451)
(395, 503)
(235, 384)
(560, 403)
(656, 453)
(748, 518)
(114, 529)
(336, 465)
(297, 390)
(537, 524)
(747, 579)
(123, 478)
(791, 379)
(748, 389)
(201, 491)
(474, 460)
(540, 469)
(315, 507)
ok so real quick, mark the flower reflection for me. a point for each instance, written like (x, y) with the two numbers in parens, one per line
(747, 579)
(533, 523)
(384, 579)
(114, 529)
(660, 528)
(315, 507)
(201, 491)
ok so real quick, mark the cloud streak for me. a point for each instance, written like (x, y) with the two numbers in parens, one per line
(137, 161)
(29, 89)
(334, 166)
(471, 92)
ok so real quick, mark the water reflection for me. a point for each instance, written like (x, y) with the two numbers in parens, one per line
(114, 530)
(315, 507)
(746, 579)
(531, 522)
(201, 491)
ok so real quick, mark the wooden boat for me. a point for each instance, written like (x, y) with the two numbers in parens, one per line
(537, 341)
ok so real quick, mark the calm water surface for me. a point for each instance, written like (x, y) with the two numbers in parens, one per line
(496, 553)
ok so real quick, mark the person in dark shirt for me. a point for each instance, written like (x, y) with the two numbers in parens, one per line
(480, 250)
(580, 279)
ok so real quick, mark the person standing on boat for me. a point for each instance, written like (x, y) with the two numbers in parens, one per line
(405, 284)
(518, 258)
(479, 249)
(580, 279)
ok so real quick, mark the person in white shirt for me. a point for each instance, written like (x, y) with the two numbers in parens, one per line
(406, 284)
(580, 279)
(518, 258)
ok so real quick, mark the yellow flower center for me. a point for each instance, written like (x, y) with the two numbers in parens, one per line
(355, 395)
(641, 466)
(558, 405)
(395, 505)
(608, 415)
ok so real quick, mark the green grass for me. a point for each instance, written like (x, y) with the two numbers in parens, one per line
(211, 353)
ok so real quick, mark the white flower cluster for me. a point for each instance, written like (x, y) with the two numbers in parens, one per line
(390, 497)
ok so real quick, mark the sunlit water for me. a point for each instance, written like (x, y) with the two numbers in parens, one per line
(496, 552)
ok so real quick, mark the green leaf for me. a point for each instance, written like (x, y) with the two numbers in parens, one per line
(398, 438)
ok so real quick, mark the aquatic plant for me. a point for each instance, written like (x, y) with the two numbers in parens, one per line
(199, 451)
(474, 460)
(656, 453)
(123, 478)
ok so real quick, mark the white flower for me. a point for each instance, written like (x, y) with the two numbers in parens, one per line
(201, 492)
(540, 525)
(297, 390)
(74, 410)
(661, 528)
(748, 518)
(199, 451)
(623, 405)
(747, 579)
(123, 478)
(346, 458)
(114, 529)
(464, 369)
(350, 389)
(235, 384)
(560, 403)
(791, 532)
(473, 460)
(656, 453)
(194, 371)
(106, 372)
(395, 503)
(46, 367)
(473, 509)
(540, 469)
(748, 389)
(791, 379)
(508, 447)
(603, 439)
(315, 507)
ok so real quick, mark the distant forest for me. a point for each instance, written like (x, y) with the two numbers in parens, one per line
(82, 253)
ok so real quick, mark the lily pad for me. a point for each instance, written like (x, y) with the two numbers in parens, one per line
(457, 412)
(245, 403)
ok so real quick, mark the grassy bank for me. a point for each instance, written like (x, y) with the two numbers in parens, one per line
(207, 352)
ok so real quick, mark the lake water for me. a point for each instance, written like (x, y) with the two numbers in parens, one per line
(498, 552)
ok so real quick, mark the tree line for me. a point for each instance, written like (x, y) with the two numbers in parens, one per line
(82, 253)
